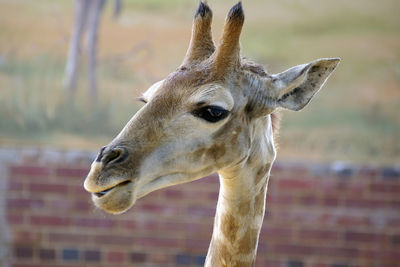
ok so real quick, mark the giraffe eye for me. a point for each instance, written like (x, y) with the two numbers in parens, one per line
(211, 113)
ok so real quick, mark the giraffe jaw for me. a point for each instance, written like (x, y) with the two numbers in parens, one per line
(116, 199)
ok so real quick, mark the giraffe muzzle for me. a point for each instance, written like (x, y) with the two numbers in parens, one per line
(104, 192)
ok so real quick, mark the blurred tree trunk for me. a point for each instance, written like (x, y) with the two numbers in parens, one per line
(87, 18)
(71, 71)
(117, 8)
(91, 41)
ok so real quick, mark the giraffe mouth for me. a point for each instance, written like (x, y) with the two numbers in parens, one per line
(104, 192)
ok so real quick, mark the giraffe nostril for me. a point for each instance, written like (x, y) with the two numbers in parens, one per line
(115, 155)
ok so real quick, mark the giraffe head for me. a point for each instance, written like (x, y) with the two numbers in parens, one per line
(201, 118)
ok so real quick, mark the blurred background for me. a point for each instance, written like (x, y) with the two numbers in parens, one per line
(354, 118)
(48, 110)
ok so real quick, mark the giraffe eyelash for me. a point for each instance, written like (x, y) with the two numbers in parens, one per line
(141, 99)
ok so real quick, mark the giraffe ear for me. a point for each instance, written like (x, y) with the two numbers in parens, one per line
(294, 88)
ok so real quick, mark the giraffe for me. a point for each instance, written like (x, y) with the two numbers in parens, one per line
(215, 113)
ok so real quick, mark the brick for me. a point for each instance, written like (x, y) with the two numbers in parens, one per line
(60, 205)
(50, 221)
(308, 200)
(151, 207)
(79, 191)
(293, 263)
(200, 211)
(27, 237)
(276, 232)
(114, 239)
(48, 188)
(368, 172)
(68, 238)
(393, 222)
(197, 244)
(185, 227)
(270, 263)
(129, 224)
(320, 170)
(183, 259)
(296, 184)
(385, 188)
(396, 239)
(47, 254)
(211, 179)
(324, 235)
(92, 255)
(173, 193)
(15, 186)
(199, 260)
(318, 264)
(27, 265)
(138, 257)
(363, 237)
(115, 257)
(330, 201)
(15, 219)
(349, 220)
(355, 188)
(367, 203)
(79, 173)
(341, 252)
(82, 206)
(24, 203)
(390, 173)
(395, 204)
(275, 199)
(156, 242)
(155, 257)
(288, 249)
(23, 252)
(70, 254)
(94, 222)
(30, 170)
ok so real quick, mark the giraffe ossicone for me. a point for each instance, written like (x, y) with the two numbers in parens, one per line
(215, 113)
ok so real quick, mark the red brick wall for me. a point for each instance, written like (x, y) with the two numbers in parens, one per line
(317, 215)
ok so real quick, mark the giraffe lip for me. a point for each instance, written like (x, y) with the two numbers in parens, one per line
(104, 192)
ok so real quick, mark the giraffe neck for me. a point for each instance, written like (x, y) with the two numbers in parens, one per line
(241, 207)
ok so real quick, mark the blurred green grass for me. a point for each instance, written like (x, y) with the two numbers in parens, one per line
(354, 118)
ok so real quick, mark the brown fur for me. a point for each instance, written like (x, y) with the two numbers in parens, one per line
(217, 151)
(201, 45)
(249, 241)
(244, 207)
(227, 55)
(261, 173)
(229, 227)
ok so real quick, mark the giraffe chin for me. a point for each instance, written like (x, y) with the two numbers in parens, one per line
(116, 200)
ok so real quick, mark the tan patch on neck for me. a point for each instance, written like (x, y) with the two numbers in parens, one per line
(244, 207)
(199, 153)
(229, 227)
(261, 173)
(249, 241)
(217, 151)
(221, 255)
(243, 264)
